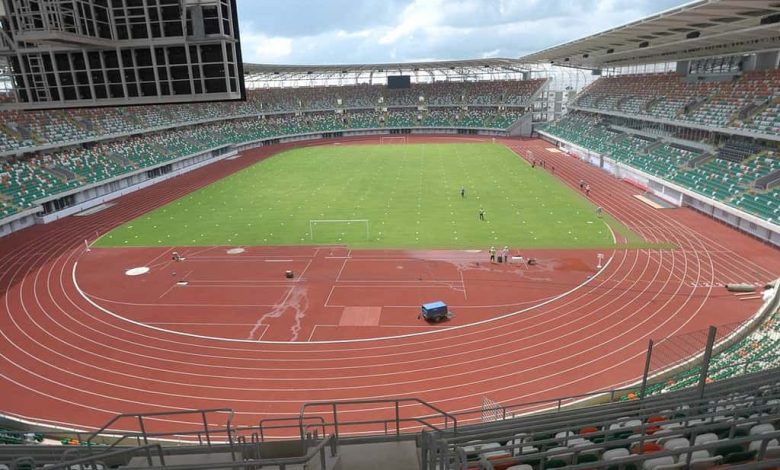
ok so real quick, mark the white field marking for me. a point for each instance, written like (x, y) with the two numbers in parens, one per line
(255, 328)
(672, 269)
(138, 304)
(360, 340)
(278, 261)
(198, 323)
(137, 271)
(164, 252)
(240, 282)
(306, 268)
(175, 284)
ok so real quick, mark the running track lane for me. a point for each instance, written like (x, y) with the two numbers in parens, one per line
(63, 361)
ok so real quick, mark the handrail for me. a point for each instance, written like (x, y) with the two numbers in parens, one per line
(281, 463)
(448, 444)
(445, 444)
(296, 420)
(334, 405)
(92, 458)
(557, 403)
(145, 435)
(603, 420)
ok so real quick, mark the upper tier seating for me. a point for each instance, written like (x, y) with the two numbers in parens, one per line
(749, 101)
(25, 181)
(31, 129)
(583, 129)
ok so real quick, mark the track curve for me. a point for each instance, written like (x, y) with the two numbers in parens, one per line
(65, 362)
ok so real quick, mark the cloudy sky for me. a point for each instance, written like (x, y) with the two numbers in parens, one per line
(373, 31)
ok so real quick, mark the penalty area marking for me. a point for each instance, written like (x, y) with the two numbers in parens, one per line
(137, 271)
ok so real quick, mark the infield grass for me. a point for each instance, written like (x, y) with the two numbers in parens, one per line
(410, 194)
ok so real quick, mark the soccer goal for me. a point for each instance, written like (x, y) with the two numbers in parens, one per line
(396, 139)
(339, 230)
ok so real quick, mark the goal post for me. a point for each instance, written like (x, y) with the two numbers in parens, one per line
(339, 230)
(395, 139)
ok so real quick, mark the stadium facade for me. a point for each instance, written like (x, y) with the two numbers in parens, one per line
(684, 105)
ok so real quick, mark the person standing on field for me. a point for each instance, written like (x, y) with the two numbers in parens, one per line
(462, 192)
(492, 254)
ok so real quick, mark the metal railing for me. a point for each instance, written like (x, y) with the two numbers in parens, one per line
(92, 461)
(203, 429)
(252, 464)
(683, 454)
(437, 420)
(317, 451)
(445, 445)
(298, 422)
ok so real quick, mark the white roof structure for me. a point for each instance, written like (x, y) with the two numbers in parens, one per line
(458, 69)
(699, 29)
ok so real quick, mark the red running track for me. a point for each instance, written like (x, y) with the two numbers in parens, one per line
(63, 361)
(337, 293)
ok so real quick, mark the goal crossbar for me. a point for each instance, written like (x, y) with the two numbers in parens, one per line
(394, 139)
(313, 222)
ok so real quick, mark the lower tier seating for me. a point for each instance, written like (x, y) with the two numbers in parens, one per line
(736, 421)
(727, 180)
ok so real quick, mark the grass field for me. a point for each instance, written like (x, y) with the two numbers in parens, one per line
(410, 195)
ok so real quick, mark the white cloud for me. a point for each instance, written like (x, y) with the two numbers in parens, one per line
(419, 15)
(262, 48)
(373, 31)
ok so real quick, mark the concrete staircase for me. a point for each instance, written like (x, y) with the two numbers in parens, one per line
(379, 456)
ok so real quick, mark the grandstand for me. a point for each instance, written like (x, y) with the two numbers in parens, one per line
(614, 370)
(695, 128)
(121, 141)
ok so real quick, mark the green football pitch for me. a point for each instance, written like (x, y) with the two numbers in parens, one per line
(379, 196)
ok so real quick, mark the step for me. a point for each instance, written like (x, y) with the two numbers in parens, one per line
(379, 456)
(187, 459)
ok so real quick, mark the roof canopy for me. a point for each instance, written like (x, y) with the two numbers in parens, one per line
(452, 68)
(699, 29)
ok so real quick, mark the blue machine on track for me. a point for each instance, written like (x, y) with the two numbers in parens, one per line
(434, 311)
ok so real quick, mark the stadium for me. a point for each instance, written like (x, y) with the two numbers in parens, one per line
(565, 259)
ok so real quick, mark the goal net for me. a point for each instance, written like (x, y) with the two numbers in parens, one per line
(393, 140)
(339, 230)
(491, 410)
